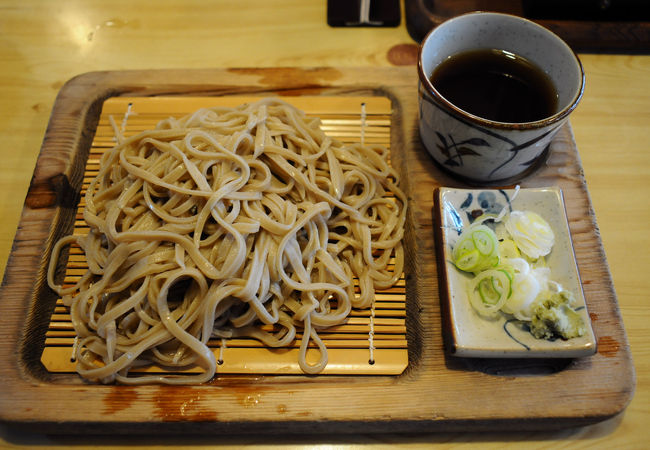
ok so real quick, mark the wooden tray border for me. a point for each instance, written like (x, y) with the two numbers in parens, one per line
(436, 392)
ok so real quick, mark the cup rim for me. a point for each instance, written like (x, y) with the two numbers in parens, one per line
(558, 116)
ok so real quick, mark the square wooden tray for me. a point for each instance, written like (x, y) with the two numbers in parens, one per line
(430, 395)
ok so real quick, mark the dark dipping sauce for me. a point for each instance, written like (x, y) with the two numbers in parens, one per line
(496, 85)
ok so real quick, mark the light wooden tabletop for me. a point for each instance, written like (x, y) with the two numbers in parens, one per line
(43, 44)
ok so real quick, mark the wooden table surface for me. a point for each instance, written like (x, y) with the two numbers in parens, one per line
(45, 43)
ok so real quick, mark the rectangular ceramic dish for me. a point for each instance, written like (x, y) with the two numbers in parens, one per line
(503, 336)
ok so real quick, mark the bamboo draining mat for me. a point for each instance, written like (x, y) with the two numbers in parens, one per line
(349, 119)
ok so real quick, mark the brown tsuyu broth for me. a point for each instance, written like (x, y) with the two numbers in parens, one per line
(496, 85)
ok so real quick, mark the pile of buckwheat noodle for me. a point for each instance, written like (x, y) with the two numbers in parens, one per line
(212, 225)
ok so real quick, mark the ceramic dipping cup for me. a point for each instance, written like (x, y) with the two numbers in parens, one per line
(482, 151)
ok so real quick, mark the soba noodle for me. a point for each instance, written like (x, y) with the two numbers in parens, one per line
(215, 224)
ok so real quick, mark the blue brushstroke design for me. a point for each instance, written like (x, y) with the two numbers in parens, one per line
(487, 199)
(507, 197)
(505, 328)
(454, 216)
(486, 202)
(467, 202)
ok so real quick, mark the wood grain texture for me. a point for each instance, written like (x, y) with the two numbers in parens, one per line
(430, 396)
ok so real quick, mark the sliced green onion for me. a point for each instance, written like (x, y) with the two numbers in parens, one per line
(489, 291)
(480, 239)
(468, 261)
(484, 242)
(509, 275)
(463, 246)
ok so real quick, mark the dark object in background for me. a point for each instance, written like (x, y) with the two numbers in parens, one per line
(586, 25)
(363, 13)
(598, 10)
